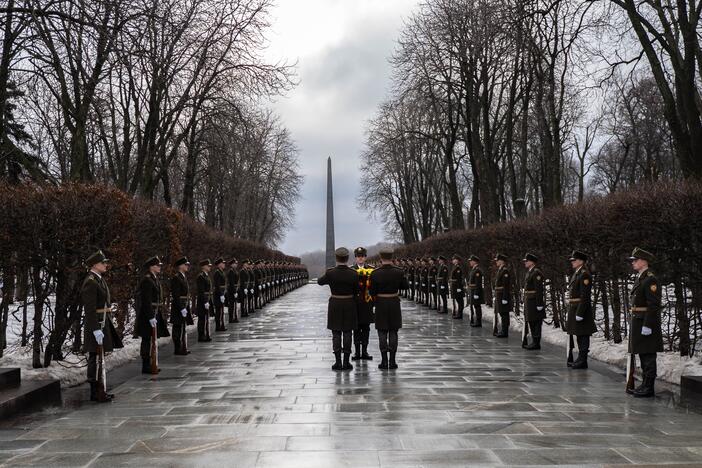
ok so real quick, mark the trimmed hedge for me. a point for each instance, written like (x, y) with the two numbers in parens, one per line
(664, 218)
(47, 232)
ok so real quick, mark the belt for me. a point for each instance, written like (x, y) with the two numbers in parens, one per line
(388, 296)
(184, 297)
(574, 300)
(334, 296)
(207, 294)
(639, 309)
(499, 288)
(157, 304)
(472, 285)
(105, 310)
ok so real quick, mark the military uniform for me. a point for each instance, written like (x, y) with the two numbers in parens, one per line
(476, 293)
(97, 322)
(181, 316)
(232, 291)
(219, 292)
(203, 303)
(433, 293)
(149, 314)
(503, 299)
(534, 308)
(457, 291)
(364, 308)
(581, 319)
(385, 283)
(342, 317)
(442, 285)
(646, 337)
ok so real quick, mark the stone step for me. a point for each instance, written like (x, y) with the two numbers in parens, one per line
(29, 396)
(9, 377)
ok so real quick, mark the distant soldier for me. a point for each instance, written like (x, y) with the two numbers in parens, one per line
(386, 282)
(364, 305)
(442, 285)
(233, 290)
(646, 337)
(180, 307)
(476, 294)
(502, 297)
(581, 320)
(342, 317)
(456, 283)
(219, 293)
(244, 287)
(433, 293)
(204, 301)
(534, 311)
(425, 282)
(98, 329)
(149, 313)
(410, 278)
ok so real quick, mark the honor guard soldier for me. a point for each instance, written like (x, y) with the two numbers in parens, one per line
(456, 283)
(364, 305)
(341, 313)
(99, 333)
(425, 282)
(233, 290)
(502, 297)
(476, 293)
(180, 307)
(243, 288)
(385, 284)
(410, 278)
(646, 335)
(442, 284)
(433, 293)
(149, 314)
(581, 320)
(534, 310)
(204, 301)
(219, 292)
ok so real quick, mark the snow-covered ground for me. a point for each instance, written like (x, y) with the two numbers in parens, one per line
(671, 366)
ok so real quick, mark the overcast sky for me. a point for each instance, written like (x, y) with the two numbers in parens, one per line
(342, 49)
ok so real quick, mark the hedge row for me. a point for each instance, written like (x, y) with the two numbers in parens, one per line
(663, 218)
(47, 232)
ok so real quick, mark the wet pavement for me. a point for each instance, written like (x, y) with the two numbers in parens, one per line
(263, 394)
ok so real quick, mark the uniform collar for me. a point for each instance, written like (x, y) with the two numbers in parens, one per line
(96, 273)
(643, 273)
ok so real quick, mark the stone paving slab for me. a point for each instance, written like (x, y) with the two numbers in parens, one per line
(262, 395)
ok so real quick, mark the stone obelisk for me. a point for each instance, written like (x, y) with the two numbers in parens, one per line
(330, 259)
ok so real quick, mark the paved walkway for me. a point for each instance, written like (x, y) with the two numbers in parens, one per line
(263, 394)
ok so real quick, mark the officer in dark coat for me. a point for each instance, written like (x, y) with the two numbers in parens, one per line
(364, 305)
(581, 319)
(442, 285)
(503, 297)
(219, 293)
(646, 337)
(433, 293)
(456, 283)
(533, 294)
(243, 288)
(180, 307)
(233, 290)
(98, 328)
(386, 282)
(204, 301)
(150, 311)
(476, 293)
(342, 317)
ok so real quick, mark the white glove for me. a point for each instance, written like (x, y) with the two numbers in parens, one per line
(645, 331)
(505, 301)
(579, 318)
(236, 295)
(99, 335)
(152, 322)
(539, 308)
(259, 287)
(207, 306)
(184, 312)
(459, 290)
(475, 296)
(221, 298)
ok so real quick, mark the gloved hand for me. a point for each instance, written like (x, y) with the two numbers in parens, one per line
(259, 287)
(459, 290)
(645, 331)
(475, 296)
(152, 322)
(539, 308)
(99, 335)
(236, 295)
(221, 299)
(579, 318)
(184, 312)
(505, 302)
(207, 306)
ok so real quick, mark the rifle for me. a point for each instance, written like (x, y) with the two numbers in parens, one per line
(101, 375)
(154, 350)
(525, 332)
(494, 321)
(569, 349)
(630, 371)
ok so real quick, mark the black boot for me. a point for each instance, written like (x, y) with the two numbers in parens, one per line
(357, 356)
(393, 364)
(145, 366)
(535, 343)
(646, 389)
(347, 364)
(365, 356)
(384, 360)
(93, 391)
(337, 365)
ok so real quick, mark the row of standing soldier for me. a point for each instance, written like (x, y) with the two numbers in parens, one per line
(241, 290)
(431, 281)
